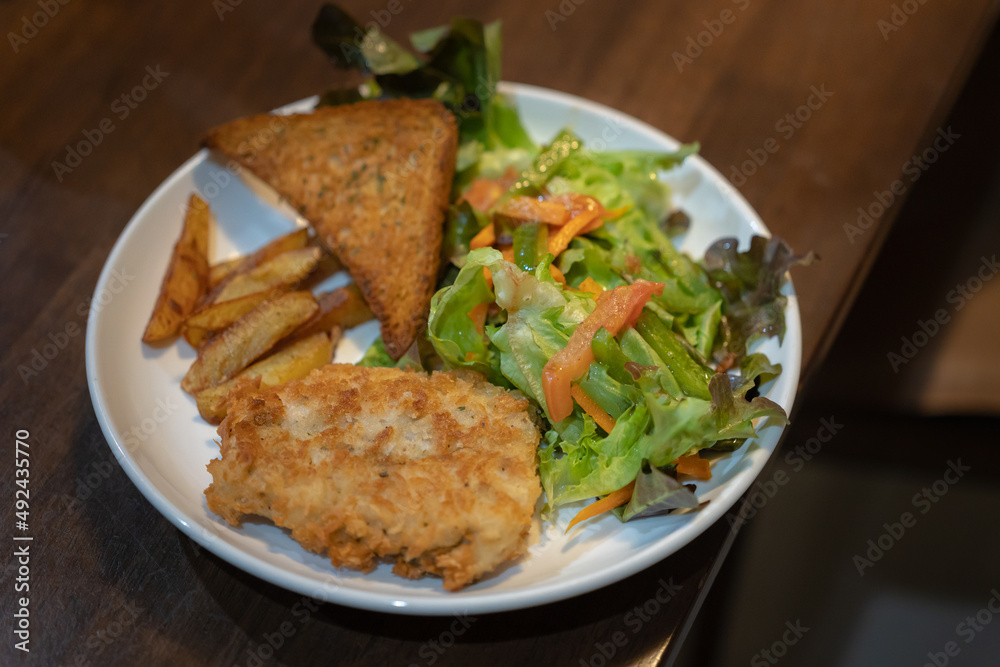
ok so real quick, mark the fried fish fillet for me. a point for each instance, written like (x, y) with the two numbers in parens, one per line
(373, 179)
(437, 473)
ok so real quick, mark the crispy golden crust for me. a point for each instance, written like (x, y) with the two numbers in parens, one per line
(435, 473)
(186, 280)
(373, 178)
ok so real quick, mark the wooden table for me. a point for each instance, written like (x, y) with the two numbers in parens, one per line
(812, 108)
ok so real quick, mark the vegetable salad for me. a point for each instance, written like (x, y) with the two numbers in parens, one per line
(562, 281)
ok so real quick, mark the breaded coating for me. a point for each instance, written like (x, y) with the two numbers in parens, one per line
(373, 179)
(436, 473)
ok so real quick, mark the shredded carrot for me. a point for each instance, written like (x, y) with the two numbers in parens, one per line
(605, 215)
(594, 224)
(592, 286)
(695, 466)
(483, 193)
(616, 310)
(507, 251)
(603, 419)
(575, 203)
(557, 275)
(486, 237)
(560, 240)
(530, 209)
(605, 504)
(616, 212)
(478, 316)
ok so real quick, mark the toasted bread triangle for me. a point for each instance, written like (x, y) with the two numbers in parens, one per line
(373, 179)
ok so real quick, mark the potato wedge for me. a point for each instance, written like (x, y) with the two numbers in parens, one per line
(222, 270)
(285, 270)
(343, 307)
(214, 317)
(289, 363)
(186, 280)
(252, 335)
(196, 336)
(327, 266)
(293, 241)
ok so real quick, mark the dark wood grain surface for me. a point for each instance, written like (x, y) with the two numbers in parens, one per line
(112, 582)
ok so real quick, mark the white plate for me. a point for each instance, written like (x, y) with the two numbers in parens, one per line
(155, 432)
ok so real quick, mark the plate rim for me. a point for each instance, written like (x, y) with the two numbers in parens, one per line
(487, 602)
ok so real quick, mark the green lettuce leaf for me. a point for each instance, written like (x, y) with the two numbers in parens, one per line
(732, 413)
(350, 46)
(449, 327)
(459, 66)
(376, 356)
(541, 318)
(461, 225)
(758, 368)
(578, 464)
(680, 426)
(656, 492)
(645, 162)
(701, 328)
(622, 178)
(417, 358)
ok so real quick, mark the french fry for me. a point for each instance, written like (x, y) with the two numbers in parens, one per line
(327, 266)
(217, 316)
(252, 335)
(290, 363)
(343, 307)
(186, 280)
(293, 241)
(285, 270)
(196, 336)
(222, 270)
